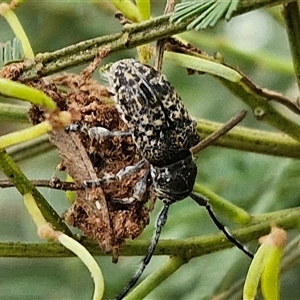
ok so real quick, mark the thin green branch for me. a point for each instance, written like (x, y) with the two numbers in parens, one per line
(292, 19)
(128, 9)
(23, 92)
(290, 259)
(82, 253)
(24, 186)
(25, 134)
(30, 149)
(263, 60)
(156, 278)
(132, 36)
(12, 112)
(186, 248)
(252, 140)
(239, 137)
(256, 98)
(233, 212)
(192, 58)
(8, 13)
(262, 109)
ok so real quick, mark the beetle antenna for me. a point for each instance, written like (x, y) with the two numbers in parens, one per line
(203, 201)
(160, 222)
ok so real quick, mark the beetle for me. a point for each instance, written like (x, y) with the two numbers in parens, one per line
(164, 133)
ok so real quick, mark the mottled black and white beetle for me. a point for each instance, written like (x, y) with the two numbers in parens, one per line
(160, 126)
(163, 133)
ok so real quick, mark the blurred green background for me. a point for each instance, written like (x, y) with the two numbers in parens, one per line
(258, 45)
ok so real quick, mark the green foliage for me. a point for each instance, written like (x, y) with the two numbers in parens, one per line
(10, 52)
(206, 13)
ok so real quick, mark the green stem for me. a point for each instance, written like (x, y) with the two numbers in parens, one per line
(233, 212)
(240, 138)
(24, 186)
(12, 112)
(292, 20)
(21, 91)
(156, 278)
(144, 7)
(263, 60)
(263, 110)
(17, 28)
(290, 259)
(187, 248)
(32, 148)
(24, 135)
(128, 9)
(256, 98)
(132, 36)
(252, 140)
(85, 256)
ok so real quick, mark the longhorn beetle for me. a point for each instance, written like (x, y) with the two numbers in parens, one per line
(163, 133)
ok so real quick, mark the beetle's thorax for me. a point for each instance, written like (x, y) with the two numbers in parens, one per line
(174, 182)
